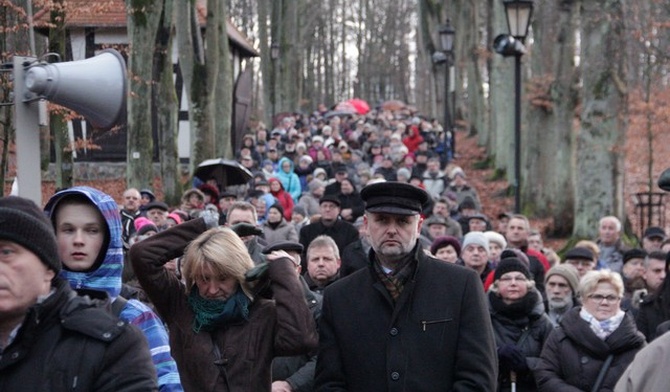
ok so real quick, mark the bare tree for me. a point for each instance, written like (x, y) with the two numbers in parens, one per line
(143, 21)
(552, 98)
(600, 171)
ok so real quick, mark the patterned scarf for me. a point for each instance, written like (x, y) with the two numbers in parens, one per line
(213, 313)
(394, 281)
(604, 328)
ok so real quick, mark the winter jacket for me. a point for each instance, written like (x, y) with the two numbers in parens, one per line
(343, 233)
(298, 371)
(284, 232)
(653, 311)
(107, 278)
(310, 203)
(236, 357)
(413, 140)
(290, 180)
(284, 198)
(72, 343)
(509, 325)
(353, 201)
(648, 371)
(573, 355)
(463, 192)
(370, 343)
(435, 183)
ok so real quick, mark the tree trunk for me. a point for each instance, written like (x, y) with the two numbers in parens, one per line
(143, 19)
(167, 108)
(600, 153)
(548, 189)
(224, 93)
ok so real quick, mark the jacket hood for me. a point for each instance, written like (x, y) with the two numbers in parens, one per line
(281, 162)
(107, 277)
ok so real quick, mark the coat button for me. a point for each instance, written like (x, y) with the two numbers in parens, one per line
(394, 331)
(584, 360)
(106, 335)
(395, 376)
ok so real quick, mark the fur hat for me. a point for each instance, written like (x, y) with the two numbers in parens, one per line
(22, 222)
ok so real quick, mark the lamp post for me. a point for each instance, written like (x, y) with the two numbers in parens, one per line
(447, 34)
(518, 13)
(274, 55)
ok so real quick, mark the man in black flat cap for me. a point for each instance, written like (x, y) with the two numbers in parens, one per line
(407, 322)
(330, 224)
(296, 373)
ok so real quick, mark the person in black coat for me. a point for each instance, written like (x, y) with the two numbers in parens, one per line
(51, 338)
(655, 308)
(351, 204)
(519, 323)
(406, 322)
(343, 233)
(576, 352)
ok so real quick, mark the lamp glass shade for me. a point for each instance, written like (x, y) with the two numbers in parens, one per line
(274, 51)
(447, 34)
(518, 14)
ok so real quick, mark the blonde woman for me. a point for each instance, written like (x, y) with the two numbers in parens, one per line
(221, 336)
(594, 343)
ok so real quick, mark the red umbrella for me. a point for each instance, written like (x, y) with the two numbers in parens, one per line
(360, 105)
(345, 107)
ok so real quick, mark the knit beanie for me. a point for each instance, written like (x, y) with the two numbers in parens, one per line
(496, 237)
(510, 264)
(22, 222)
(141, 221)
(444, 241)
(476, 238)
(566, 271)
(147, 228)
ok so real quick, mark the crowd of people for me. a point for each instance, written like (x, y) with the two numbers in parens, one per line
(357, 258)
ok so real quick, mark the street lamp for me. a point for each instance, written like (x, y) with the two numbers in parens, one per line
(447, 34)
(518, 13)
(274, 55)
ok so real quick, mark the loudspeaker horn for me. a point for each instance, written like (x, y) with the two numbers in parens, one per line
(95, 87)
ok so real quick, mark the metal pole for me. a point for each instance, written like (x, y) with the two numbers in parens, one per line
(26, 114)
(447, 118)
(517, 133)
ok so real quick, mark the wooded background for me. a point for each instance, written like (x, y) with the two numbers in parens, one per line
(595, 72)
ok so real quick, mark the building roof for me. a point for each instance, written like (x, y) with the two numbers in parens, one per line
(112, 14)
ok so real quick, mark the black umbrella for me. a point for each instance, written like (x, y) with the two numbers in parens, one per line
(225, 171)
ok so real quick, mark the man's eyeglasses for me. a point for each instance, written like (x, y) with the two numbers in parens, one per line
(600, 298)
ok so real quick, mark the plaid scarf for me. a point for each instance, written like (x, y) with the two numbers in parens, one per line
(395, 280)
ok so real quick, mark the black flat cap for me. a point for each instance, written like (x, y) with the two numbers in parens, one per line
(157, 205)
(655, 232)
(287, 246)
(394, 197)
(332, 199)
(579, 253)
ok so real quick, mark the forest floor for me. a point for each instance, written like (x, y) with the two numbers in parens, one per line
(493, 193)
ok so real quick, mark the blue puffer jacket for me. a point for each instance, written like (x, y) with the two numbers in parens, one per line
(289, 180)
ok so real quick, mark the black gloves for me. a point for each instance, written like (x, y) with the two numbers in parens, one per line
(244, 229)
(510, 358)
